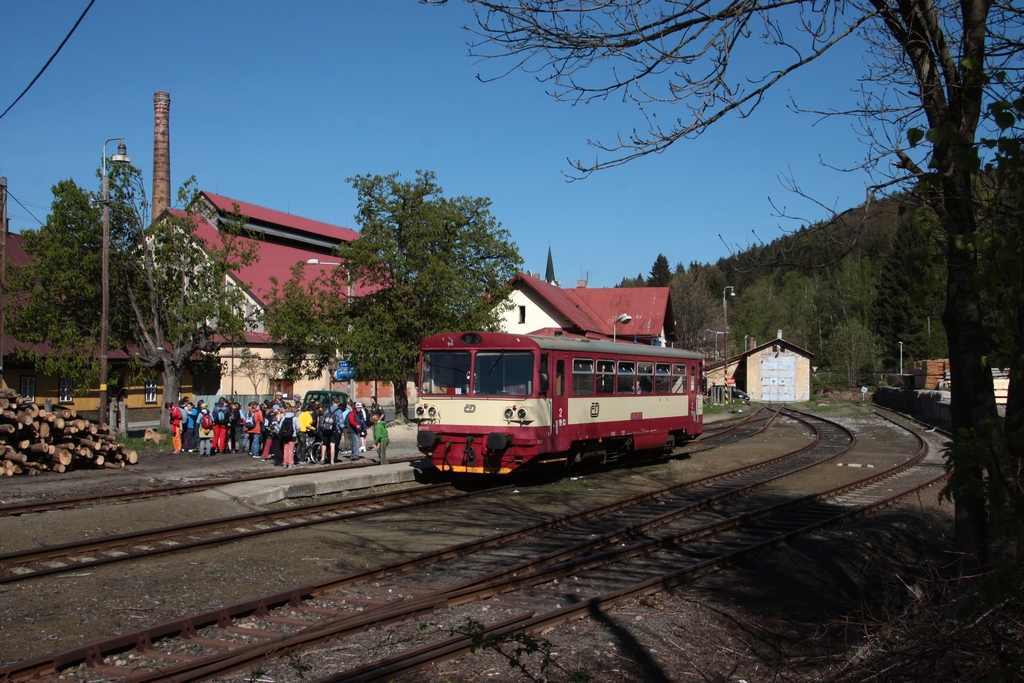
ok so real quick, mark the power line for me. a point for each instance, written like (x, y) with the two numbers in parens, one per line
(52, 57)
(11, 196)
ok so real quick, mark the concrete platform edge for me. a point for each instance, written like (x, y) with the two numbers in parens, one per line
(319, 483)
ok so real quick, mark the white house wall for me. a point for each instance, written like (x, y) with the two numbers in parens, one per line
(538, 315)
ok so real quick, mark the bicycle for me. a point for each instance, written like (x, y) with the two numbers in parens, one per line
(314, 452)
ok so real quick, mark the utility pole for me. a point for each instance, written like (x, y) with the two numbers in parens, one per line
(3, 270)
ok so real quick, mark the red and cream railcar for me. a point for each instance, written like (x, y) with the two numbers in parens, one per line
(492, 402)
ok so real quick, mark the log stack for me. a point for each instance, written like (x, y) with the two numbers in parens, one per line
(33, 440)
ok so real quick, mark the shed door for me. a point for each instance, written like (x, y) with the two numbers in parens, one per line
(778, 378)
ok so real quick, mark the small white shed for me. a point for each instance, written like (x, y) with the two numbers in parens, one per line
(776, 372)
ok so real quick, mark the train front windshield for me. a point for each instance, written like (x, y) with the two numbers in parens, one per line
(493, 373)
(503, 373)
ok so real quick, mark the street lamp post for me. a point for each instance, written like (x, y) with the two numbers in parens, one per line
(620, 318)
(121, 157)
(725, 312)
(901, 357)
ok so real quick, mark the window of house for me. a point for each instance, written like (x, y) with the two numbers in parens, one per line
(605, 376)
(522, 315)
(28, 387)
(583, 376)
(65, 390)
(149, 392)
(627, 377)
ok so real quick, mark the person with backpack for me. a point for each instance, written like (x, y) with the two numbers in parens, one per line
(272, 449)
(305, 432)
(220, 414)
(176, 416)
(330, 429)
(191, 413)
(355, 426)
(205, 430)
(235, 431)
(254, 428)
(287, 432)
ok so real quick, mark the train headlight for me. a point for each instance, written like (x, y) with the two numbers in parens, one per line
(508, 413)
(419, 411)
(432, 411)
(521, 414)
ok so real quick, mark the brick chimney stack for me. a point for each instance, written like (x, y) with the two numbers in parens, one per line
(161, 152)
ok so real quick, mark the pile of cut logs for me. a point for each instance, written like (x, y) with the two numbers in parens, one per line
(34, 440)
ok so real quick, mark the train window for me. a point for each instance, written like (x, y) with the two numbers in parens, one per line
(645, 378)
(662, 378)
(582, 377)
(544, 374)
(627, 377)
(678, 378)
(444, 372)
(503, 373)
(605, 376)
(560, 378)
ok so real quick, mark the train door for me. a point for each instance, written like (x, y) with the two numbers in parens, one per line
(559, 406)
(544, 370)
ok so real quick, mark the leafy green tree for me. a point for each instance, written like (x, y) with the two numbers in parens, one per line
(423, 264)
(695, 309)
(170, 299)
(851, 349)
(661, 274)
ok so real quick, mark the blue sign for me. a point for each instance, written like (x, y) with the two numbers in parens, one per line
(344, 365)
(341, 376)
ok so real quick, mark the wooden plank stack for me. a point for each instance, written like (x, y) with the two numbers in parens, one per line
(931, 374)
(33, 440)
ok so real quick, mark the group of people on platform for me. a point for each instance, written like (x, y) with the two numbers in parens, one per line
(279, 430)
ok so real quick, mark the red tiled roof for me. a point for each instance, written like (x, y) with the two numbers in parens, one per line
(593, 311)
(260, 214)
(275, 260)
(648, 307)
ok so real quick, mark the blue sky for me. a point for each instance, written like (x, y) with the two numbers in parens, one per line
(278, 103)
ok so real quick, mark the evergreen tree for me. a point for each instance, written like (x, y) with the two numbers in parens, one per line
(661, 274)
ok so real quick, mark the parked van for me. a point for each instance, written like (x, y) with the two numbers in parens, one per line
(325, 398)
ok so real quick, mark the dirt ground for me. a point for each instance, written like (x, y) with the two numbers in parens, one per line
(793, 614)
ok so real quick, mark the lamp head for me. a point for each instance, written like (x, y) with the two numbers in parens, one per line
(122, 154)
(623, 318)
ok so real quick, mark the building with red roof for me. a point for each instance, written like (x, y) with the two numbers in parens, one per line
(641, 315)
(281, 240)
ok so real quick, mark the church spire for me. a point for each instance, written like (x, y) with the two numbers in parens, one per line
(549, 274)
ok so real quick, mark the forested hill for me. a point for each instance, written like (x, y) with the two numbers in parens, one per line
(848, 290)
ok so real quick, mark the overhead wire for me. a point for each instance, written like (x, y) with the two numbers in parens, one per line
(52, 57)
(11, 196)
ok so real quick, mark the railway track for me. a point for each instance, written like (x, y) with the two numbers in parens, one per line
(25, 564)
(711, 432)
(685, 525)
(35, 562)
(29, 507)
